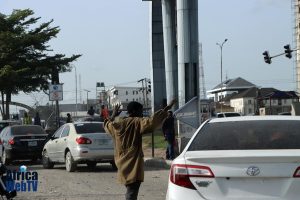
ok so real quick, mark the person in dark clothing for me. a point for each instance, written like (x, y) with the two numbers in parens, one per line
(91, 111)
(169, 134)
(69, 118)
(37, 119)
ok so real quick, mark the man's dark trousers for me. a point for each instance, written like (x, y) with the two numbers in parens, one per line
(132, 190)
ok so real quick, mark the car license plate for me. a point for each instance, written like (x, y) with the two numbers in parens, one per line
(102, 142)
(32, 143)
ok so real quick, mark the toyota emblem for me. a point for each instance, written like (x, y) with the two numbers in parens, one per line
(253, 171)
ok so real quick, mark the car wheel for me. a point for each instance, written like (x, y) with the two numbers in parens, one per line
(70, 163)
(47, 164)
(4, 159)
(91, 164)
(114, 166)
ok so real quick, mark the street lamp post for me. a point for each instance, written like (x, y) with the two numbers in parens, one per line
(87, 99)
(221, 48)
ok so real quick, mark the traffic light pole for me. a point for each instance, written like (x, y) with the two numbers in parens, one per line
(288, 53)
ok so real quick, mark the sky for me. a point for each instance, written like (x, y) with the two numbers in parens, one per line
(113, 38)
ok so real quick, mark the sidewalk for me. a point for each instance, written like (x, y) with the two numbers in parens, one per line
(158, 161)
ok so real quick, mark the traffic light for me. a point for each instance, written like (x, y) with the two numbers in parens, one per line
(267, 57)
(149, 87)
(288, 51)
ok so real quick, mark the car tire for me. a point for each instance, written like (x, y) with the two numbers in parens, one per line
(47, 164)
(91, 164)
(113, 165)
(70, 163)
(4, 159)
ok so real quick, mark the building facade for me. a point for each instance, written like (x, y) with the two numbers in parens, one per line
(118, 95)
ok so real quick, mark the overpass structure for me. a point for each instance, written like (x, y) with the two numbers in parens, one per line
(30, 109)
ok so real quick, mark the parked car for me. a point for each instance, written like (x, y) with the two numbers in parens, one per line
(22, 142)
(228, 114)
(5, 123)
(79, 142)
(251, 157)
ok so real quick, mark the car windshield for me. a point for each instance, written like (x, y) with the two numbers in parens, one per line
(248, 135)
(82, 128)
(26, 130)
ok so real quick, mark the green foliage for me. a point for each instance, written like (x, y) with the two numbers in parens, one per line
(24, 61)
(159, 140)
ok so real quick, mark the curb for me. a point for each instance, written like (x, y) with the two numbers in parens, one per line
(157, 163)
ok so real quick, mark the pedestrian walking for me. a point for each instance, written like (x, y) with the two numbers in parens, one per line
(91, 111)
(104, 112)
(37, 119)
(127, 134)
(168, 129)
(69, 118)
(27, 119)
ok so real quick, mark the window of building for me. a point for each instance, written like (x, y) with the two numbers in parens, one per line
(250, 110)
(126, 92)
(133, 92)
(249, 102)
(284, 101)
(126, 99)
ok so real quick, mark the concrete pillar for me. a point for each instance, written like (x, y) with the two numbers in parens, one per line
(170, 49)
(158, 78)
(188, 59)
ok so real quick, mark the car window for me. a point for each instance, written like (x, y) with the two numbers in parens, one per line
(89, 128)
(232, 114)
(66, 131)
(58, 132)
(3, 125)
(24, 130)
(4, 132)
(245, 135)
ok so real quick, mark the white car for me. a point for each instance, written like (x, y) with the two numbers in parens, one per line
(80, 142)
(239, 158)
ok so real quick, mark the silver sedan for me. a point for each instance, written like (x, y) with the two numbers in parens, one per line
(80, 142)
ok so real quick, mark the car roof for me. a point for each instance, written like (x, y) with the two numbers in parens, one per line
(9, 121)
(253, 118)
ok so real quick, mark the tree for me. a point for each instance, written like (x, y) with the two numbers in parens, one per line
(25, 63)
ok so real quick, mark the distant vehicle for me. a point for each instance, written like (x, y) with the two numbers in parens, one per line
(20, 142)
(95, 118)
(249, 157)
(79, 142)
(228, 114)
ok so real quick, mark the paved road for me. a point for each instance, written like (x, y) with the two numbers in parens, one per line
(99, 184)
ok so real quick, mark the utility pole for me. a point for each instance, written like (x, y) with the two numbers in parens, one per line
(87, 99)
(143, 89)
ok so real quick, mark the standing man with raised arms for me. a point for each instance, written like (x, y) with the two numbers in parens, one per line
(127, 134)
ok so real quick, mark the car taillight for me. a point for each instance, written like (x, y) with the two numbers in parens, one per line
(180, 174)
(11, 141)
(83, 140)
(297, 173)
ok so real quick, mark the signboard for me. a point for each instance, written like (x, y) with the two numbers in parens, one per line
(55, 92)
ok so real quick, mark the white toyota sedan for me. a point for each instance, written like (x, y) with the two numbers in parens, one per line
(76, 143)
(239, 158)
